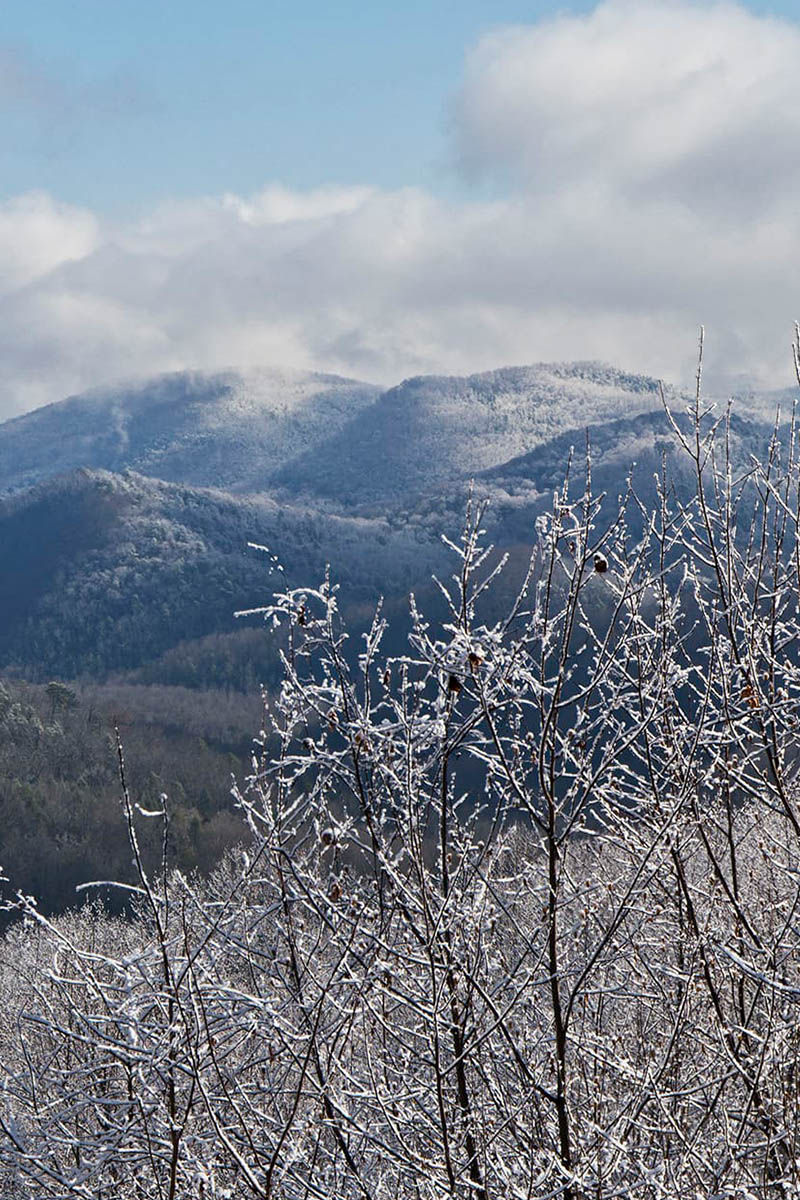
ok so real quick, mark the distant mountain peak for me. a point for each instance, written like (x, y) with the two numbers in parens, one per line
(432, 429)
(337, 439)
(226, 429)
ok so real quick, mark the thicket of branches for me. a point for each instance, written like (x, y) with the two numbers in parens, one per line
(518, 917)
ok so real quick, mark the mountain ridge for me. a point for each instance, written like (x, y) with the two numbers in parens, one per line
(318, 468)
(306, 432)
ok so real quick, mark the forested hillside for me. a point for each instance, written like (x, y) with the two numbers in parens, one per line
(332, 437)
(153, 564)
(60, 814)
(316, 468)
(124, 585)
(228, 430)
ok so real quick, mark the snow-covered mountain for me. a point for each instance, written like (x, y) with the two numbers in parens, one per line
(317, 435)
(133, 507)
(433, 430)
(230, 430)
(104, 572)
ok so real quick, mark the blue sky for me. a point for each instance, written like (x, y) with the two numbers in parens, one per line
(383, 189)
(134, 101)
(124, 102)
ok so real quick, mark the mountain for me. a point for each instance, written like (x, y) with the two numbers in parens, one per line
(432, 430)
(228, 430)
(106, 572)
(631, 448)
(125, 518)
(337, 441)
(135, 557)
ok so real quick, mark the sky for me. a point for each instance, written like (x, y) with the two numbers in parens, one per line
(382, 190)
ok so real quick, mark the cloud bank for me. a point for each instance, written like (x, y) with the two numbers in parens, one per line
(644, 163)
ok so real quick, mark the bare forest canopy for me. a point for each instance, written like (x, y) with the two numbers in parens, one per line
(515, 912)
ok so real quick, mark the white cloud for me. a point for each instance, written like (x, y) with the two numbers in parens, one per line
(652, 99)
(37, 235)
(647, 154)
(279, 206)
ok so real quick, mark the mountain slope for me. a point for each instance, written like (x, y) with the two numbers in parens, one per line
(521, 488)
(103, 572)
(432, 430)
(337, 441)
(228, 430)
